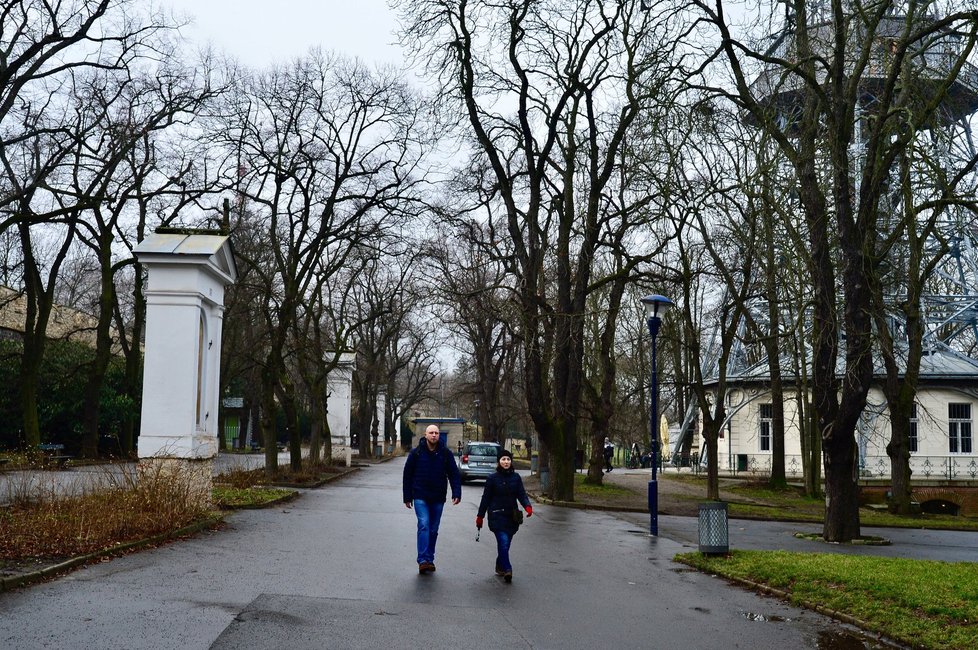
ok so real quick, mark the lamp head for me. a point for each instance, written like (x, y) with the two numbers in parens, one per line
(656, 306)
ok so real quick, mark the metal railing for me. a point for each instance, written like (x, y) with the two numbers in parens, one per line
(949, 468)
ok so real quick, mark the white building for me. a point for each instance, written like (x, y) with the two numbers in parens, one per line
(942, 440)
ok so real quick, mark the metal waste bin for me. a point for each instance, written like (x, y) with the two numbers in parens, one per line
(713, 528)
(534, 464)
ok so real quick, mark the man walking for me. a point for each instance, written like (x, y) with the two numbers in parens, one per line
(609, 452)
(428, 470)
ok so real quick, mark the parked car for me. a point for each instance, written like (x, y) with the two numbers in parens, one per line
(478, 460)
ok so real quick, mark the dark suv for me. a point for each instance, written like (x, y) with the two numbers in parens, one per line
(478, 460)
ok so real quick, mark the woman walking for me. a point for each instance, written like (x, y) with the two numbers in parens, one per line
(499, 498)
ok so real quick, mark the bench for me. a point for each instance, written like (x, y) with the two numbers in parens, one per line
(52, 456)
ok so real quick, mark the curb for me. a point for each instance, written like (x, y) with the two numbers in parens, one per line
(6, 584)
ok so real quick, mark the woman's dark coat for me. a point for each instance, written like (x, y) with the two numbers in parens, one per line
(503, 489)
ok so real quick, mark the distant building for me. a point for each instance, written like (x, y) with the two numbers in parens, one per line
(66, 323)
(451, 430)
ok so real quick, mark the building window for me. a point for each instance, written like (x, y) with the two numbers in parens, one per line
(913, 428)
(767, 415)
(959, 428)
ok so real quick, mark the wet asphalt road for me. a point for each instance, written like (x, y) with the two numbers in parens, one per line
(336, 569)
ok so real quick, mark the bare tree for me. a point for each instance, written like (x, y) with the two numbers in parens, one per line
(549, 91)
(327, 152)
(831, 82)
(472, 285)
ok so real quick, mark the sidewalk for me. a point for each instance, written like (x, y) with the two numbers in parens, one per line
(676, 496)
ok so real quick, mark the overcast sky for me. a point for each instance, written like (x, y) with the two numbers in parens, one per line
(262, 32)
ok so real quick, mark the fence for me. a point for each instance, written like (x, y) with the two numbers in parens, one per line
(950, 468)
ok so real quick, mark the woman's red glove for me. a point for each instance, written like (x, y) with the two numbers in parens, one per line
(529, 511)
(478, 522)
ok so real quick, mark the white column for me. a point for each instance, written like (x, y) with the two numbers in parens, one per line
(181, 375)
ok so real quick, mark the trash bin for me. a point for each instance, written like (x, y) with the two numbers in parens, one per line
(534, 464)
(713, 529)
(544, 479)
(579, 460)
(741, 462)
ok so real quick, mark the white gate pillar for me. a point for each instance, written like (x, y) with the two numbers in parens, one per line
(339, 402)
(188, 272)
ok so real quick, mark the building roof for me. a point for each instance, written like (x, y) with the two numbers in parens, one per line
(438, 420)
(938, 364)
(189, 245)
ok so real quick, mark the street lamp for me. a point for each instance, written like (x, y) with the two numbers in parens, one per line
(655, 308)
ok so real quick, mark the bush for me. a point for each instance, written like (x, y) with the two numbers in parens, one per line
(60, 407)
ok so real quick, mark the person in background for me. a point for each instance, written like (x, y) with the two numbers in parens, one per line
(430, 467)
(499, 499)
(609, 452)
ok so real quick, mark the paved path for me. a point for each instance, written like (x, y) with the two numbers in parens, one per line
(744, 534)
(335, 569)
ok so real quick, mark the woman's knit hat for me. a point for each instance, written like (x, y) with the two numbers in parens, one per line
(506, 452)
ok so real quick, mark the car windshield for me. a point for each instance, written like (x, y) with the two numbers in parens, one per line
(482, 450)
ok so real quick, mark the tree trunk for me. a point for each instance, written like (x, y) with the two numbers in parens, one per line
(773, 351)
(318, 417)
(293, 434)
(267, 425)
(898, 450)
(103, 353)
(712, 424)
(562, 471)
(841, 491)
(595, 465)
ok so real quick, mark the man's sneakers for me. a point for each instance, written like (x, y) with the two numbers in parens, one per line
(426, 567)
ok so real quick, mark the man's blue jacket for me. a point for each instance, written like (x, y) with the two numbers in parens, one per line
(427, 474)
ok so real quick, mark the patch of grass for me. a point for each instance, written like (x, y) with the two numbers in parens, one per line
(792, 505)
(875, 518)
(921, 603)
(242, 478)
(790, 495)
(604, 490)
(307, 474)
(248, 497)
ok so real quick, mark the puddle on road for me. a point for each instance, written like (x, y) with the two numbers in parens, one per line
(827, 639)
(764, 618)
(836, 640)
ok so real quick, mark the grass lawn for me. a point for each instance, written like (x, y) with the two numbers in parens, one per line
(924, 604)
(582, 489)
(791, 505)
